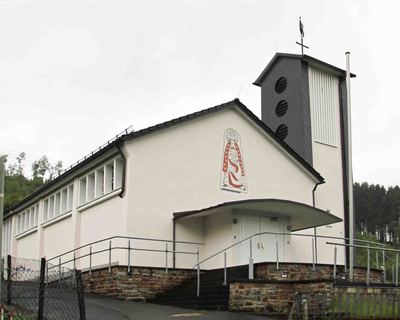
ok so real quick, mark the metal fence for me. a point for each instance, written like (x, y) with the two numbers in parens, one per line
(41, 294)
(329, 305)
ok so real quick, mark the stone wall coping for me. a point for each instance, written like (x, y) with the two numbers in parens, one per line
(309, 264)
(283, 281)
(119, 266)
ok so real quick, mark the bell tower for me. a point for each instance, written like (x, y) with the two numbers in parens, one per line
(304, 102)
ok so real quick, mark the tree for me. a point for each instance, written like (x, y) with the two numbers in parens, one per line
(42, 169)
(18, 186)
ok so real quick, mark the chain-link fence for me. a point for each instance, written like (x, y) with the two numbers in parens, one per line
(43, 291)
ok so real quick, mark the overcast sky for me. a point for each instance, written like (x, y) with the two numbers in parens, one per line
(75, 73)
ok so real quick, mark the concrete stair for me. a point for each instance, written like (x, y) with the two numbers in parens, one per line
(213, 294)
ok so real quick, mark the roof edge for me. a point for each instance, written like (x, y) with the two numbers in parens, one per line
(306, 58)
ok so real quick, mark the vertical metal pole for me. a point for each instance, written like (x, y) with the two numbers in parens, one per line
(368, 265)
(129, 256)
(377, 259)
(397, 269)
(59, 268)
(312, 252)
(3, 159)
(334, 262)
(9, 279)
(198, 275)
(251, 264)
(74, 261)
(393, 277)
(41, 288)
(225, 268)
(166, 257)
(384, 266)
(109, 258)
(90, 260)
(277, 252)
(350, 169)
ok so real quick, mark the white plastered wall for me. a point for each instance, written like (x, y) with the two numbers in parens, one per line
(178, 169)
(327, 160)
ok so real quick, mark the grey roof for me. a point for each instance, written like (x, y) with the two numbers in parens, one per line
(306, 58)
(137, 134)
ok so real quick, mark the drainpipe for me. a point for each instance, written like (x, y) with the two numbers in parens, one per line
(122, 193)
(315, 229)
(173, 243)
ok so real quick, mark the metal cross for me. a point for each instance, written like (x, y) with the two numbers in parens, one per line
(301, 27)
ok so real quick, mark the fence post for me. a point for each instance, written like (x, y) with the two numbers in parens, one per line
(109, 258)
(129, 257)
(42, 285)
(81, 297)
(9, 279)
(368, 265)
(383, 265)
(313, 253)
(166, 258)
(74, 261)
(251, 266)
(198, 274)
(277, 252)
(224, 268)
(397, 269)
(377, 259)
(90, 260)
(59, 269)
(334, 263)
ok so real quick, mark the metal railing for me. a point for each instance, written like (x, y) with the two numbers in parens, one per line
(378, 250)
(277, 258)
(58, 261)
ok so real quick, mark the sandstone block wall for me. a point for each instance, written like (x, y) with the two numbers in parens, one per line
(143, 283)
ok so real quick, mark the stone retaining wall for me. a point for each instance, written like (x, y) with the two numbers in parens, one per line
(273, 290)
(143, 283)
(305, 272)
(270, 297)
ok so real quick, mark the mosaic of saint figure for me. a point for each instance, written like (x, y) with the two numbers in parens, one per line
(233, 176)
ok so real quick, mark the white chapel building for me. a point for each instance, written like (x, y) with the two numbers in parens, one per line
(214, 178)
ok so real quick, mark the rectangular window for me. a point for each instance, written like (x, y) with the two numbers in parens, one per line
(118, 173)
(103, 180)
(64, 199)
(58, 203)
(90, 187)
(27, 219)
(82, 193)
(99, 182)
(51, 207)
(46, 210)
(70, 197)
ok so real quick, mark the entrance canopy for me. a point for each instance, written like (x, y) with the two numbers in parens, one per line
(302, 216)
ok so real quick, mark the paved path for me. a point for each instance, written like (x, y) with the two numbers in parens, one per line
(98, 308)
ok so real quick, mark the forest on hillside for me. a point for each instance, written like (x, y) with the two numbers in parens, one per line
(377, 210)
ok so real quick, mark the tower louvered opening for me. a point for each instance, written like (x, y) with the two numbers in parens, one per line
(280, 85)
(281, 108)
(282, 131)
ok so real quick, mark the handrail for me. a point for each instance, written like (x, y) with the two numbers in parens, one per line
(358, 246)
(126, 238)
(282, 234)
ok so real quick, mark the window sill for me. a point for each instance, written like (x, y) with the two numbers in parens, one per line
(56, 219)
(26, 233)
(97, 201)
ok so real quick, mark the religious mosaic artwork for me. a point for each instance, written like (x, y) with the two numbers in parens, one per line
(233, 176)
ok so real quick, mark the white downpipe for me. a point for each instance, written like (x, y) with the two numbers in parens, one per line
(350, 169)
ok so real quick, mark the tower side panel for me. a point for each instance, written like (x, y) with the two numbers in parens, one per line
(297, 117)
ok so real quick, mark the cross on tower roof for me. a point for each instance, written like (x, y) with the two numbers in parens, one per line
(301, 27)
